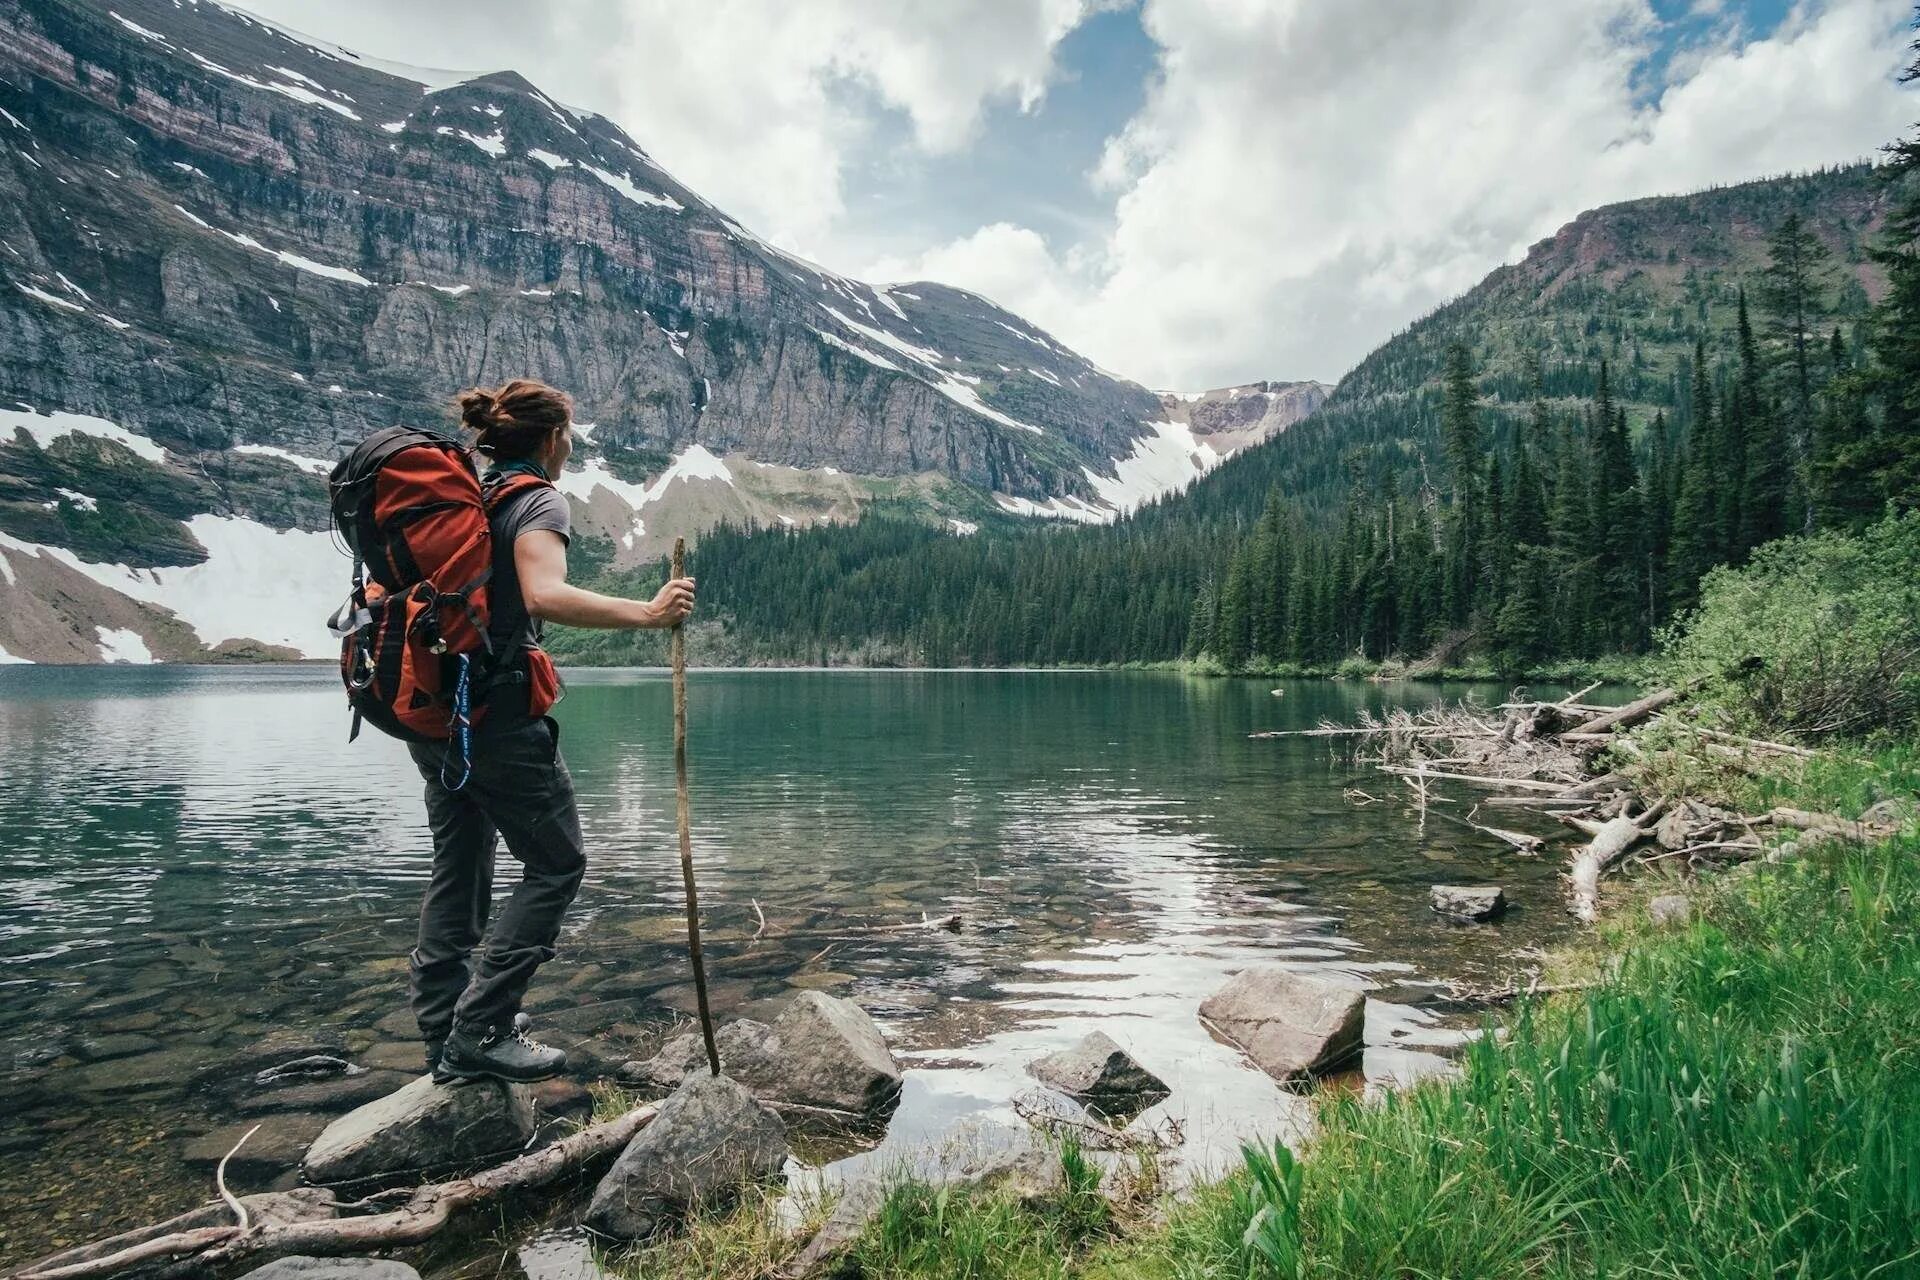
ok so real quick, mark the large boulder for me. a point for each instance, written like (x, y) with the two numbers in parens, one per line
(708, 1140)
(1100, 1074)
(302, 1267)
(822, 1053)
(424, 1126)
(1291, 1024)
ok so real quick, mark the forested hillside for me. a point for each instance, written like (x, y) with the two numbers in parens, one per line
(1541, 469)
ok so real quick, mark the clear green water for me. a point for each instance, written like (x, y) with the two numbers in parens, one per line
(196, 858)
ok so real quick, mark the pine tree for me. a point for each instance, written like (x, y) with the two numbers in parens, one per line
(1614, 524)
(1793, 293)
(1696, 542)
(1895, 340)
(1767, 476)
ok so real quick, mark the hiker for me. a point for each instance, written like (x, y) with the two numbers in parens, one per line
(515, 785)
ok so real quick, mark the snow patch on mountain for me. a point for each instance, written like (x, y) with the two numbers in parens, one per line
(319, 466)
(257, 583)
(1164, 462)
(624, 185)
(45, 428)
(123, 645)
(1068, 508)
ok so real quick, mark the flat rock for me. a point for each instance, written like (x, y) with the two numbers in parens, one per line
(1670, 909)
(1291, 1024)
(301, 1267)
(422, 1126)
(1099, 1073)
(276, 1148)
(123, 1044)
(708, 1140)
(1469, 901)
(820, 1052)
(337, 1094)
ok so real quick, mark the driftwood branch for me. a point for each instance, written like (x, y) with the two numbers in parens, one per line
(426, 1211)
(1630, 714)
(1611, 841)
(241, 1218)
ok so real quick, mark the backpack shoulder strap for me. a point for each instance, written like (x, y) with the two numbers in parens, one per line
(496, 490)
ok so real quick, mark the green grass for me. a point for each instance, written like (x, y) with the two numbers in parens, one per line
(1741, 1099)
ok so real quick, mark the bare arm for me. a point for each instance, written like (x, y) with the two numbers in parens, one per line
(540, 557)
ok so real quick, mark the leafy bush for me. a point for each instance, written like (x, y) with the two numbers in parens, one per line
(1817, 636)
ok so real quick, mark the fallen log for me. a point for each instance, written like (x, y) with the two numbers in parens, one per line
(1802, 820)
(206, 1250)
(1594, 786)
(1483, 780)
(1611, 841)
(1630, 714)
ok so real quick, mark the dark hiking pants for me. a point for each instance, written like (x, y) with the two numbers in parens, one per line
(518, 791)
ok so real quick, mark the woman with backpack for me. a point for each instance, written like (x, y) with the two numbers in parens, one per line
(442, 647)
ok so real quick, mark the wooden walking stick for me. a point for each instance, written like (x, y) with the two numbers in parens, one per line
(686, 818)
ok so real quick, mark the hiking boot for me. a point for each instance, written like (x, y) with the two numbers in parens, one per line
(434, 1048)
(474, 1053)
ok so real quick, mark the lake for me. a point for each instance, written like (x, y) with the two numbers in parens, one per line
(197, 858)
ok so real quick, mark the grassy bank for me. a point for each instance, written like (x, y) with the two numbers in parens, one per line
(1738, 1096)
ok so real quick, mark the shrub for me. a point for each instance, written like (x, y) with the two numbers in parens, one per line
(1817, 636)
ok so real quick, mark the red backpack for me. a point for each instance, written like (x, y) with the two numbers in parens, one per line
(414, 650)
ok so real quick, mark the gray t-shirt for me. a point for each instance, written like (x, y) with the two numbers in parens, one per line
(532, 508)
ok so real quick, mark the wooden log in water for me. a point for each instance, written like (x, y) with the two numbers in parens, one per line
(210, 1250)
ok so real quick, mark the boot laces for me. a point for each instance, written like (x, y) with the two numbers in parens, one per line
(519, 1033)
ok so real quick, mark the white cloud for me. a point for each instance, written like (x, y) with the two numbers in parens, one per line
(1306, 178)
(758, 105)
(761, 106)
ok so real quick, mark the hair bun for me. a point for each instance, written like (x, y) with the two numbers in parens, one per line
(478, 410)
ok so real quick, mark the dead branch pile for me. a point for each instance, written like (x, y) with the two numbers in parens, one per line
(1545, 757)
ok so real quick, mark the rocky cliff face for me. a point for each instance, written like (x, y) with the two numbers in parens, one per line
(1234, 418)
(241, 250)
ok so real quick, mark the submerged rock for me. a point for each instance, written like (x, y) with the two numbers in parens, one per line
(302, 1267)
(423, 1126)
(331, 1095)
(1291, 1024)
(1099, 1073)
(709, 1139)
(821, 1052)
(1469, 901)
(277, 1147)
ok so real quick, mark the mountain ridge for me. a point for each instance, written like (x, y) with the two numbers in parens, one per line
(250, 248)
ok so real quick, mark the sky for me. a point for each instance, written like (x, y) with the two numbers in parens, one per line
(1192, 193)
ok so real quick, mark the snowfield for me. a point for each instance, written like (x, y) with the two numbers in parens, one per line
(257, 583)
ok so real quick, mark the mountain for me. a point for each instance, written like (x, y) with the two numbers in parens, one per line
(1633, 285)
(229, 250)
(1230, 419)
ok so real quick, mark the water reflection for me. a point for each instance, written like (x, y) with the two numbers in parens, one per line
(199, 859)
